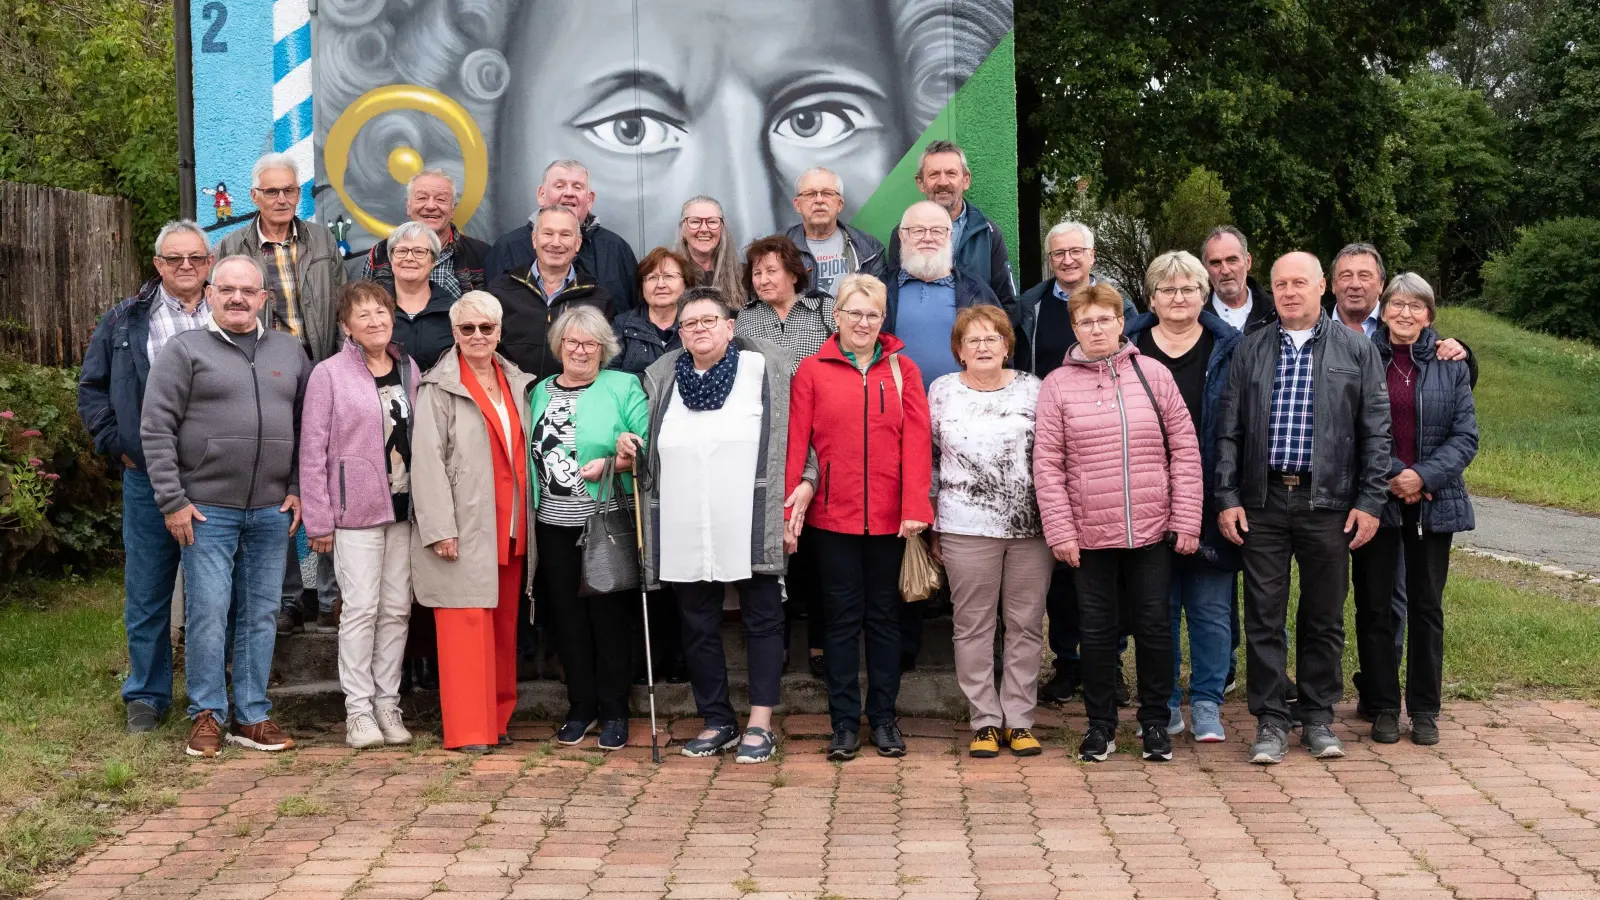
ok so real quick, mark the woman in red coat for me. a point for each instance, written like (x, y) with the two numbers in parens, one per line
(860, 406)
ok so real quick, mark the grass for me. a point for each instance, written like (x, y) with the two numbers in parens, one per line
(297, 806)
(1538, 416)
(67, 770)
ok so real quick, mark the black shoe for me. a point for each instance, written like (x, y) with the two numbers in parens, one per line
(1157, 743)
(614, 734)
(143, 717)
(1291, 693)
(844, 745)
(678, 674)
(1061, 686)
(1232, 684)
(472, 748)
(888, 741)
(428, 673)
(1424, 730)
(908, 662)
(504, 741)
(1124, 695)
(1365, 712)
(289, 622)
(573, 731)
(819, 666)
(1100, 742)
(1386, 728)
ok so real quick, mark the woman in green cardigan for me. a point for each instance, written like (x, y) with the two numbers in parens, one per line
(577, 417)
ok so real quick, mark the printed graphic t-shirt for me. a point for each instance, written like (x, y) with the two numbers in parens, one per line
(831, 262)
(396, 440)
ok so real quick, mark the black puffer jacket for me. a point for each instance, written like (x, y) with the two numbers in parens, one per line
(527, 315)
(1447, 436)
(1350, 424)
(641, 342)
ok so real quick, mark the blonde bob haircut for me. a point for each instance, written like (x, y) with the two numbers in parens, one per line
(1172, 266)
(1092, 295)
(866, 286)
(591, 321)
(481, 303)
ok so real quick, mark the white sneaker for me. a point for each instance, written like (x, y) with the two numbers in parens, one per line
(392, 726)
(361, 731)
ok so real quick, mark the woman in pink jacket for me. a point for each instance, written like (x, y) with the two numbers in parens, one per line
(355, 487)
(1116, 466)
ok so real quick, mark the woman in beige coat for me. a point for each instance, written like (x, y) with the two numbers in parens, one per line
(469, 486)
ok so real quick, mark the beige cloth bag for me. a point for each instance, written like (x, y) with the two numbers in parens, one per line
(920, 575)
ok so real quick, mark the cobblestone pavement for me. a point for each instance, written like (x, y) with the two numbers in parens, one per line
(1507, 806)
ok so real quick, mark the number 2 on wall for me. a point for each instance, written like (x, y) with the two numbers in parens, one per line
(217, 15)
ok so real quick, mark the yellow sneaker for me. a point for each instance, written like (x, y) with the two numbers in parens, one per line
(985, 743)
(1022, 742)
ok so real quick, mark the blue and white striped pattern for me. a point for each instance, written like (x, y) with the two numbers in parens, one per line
(291, 92)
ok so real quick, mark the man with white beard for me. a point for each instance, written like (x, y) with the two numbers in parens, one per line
(926, 291)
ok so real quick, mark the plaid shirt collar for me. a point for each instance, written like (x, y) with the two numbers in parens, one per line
(294, 233)
(1316, 334)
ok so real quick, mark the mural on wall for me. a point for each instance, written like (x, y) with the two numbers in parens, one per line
(660, 99)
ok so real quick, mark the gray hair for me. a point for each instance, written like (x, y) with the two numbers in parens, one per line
(179, 226)
(408, 230)
(1410, 284)
(726, 274)
(572, 164)
(274, 161)
(254, 261)
(481, 302)
(838, 183)
(1175, 264)
(455, 192)
(556, 207)
(589, 320)
(1361, 249)
(1219, 231)
(1061, 228)
(937, 147)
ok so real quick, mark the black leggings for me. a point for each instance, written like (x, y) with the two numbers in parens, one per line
(592, 632)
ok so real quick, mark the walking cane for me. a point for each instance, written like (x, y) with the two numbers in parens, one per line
(644, 606)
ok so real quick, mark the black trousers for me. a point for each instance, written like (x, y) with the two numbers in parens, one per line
(1427, 566)
(1285, 529)
(666, 645)
(592, 633)
(804, 586)
(861, 594)
(761, 612)
(1120, 590)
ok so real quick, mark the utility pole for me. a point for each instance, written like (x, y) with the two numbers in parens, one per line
(182, 41)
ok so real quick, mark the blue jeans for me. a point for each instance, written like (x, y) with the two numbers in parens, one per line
(148, 580)
(1203, 596)
(232, 574)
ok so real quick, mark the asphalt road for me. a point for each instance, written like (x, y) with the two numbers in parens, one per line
(1535, 534)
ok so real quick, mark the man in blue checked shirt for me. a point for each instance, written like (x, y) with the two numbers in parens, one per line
(1302, 448)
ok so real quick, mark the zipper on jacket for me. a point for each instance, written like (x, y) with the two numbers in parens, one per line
(342, 501)
(881, 410)
(866, 471)
(255, 382)
(1127, 492)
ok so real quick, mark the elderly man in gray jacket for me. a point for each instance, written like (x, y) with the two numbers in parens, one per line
(220, 426)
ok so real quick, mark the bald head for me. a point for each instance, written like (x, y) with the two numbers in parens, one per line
(1297, 289)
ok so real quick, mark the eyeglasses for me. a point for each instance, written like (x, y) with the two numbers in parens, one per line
(1415, 307)
(278, 193)
(917, 232)
(1101, 324)
(988, 340)
(1060, 253)
(1189, 292)
(663, 276)
(809, 196)
(573, 345)
(178, 262)
(704, 323)
(487, 329)
(871, 317)
(410, 252)
(696, 223)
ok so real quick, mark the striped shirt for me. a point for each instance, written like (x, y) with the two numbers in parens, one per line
(1289, 430)
(282, 259)
(803, 333)
(563, 496)
(168, 319)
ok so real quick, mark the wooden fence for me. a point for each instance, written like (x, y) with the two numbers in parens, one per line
(65, 258)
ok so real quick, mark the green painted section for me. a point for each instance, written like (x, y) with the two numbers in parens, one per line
(982, 118)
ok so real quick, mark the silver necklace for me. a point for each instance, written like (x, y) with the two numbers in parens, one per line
(1402, 374)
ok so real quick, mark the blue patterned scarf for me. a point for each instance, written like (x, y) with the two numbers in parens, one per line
(710, 390)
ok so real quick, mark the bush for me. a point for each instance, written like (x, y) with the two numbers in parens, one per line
(1549, 281)
(58, 507)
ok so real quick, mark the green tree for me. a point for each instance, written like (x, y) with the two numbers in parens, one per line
(1559, 138)
(1550, 280)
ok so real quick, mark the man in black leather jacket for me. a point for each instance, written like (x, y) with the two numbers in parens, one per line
(1303, 445)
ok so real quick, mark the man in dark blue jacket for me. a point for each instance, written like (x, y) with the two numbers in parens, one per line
(829, 248)
(603, 253)
(979, 248)
(110, 395)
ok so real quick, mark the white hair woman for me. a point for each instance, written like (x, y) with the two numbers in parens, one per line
(576, 418)
(469, 479)
(705, 239)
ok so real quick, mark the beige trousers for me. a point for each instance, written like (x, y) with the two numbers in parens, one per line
(990, 577)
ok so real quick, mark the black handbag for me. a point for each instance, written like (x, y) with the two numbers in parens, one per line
(609, 543)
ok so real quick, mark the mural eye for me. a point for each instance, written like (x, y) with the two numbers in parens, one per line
(634, 131)
(822, 124)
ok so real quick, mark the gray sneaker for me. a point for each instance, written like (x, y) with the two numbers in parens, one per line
(1272, 742)
(1319, 739)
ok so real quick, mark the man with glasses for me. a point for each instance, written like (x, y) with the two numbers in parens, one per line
(110, 393)
(431, 199)
(979, 249)
(830, 248)
(603, 253)
(220, 426)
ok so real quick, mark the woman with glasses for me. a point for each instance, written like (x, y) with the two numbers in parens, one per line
(859, 404)
(1196, 346)
(1116, 467)
(469, 478)
(986, 528)
(422, 308)
(577, 417)
(647, 333)
(703, 239)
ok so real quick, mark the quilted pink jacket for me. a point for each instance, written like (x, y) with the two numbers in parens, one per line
(1098, 465)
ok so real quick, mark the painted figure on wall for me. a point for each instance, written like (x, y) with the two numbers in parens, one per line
(732, 98)
(221, 202)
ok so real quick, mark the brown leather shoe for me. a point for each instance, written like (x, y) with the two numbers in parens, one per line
(205, 737)
(263, 735)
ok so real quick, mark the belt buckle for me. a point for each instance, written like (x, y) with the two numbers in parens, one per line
(1290, 480)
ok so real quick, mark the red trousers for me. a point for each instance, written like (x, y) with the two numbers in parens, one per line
(478, 665)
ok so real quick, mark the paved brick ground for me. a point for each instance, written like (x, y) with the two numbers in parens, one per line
(1508, 806)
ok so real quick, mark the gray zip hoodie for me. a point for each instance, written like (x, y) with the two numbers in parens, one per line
(220, 427)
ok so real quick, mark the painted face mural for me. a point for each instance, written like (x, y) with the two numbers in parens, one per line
(660, 99)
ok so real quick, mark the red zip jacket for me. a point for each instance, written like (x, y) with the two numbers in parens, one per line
(874, 445)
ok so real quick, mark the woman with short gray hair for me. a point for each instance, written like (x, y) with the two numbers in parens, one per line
(421, 305)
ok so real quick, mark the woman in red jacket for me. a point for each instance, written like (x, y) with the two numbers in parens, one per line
(860, 406)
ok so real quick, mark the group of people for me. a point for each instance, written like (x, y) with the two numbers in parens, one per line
(453, 426)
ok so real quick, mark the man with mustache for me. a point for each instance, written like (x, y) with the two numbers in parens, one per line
(220, 427)
(431, 199)
(977, 245)
(830, 249)
(603, 253)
